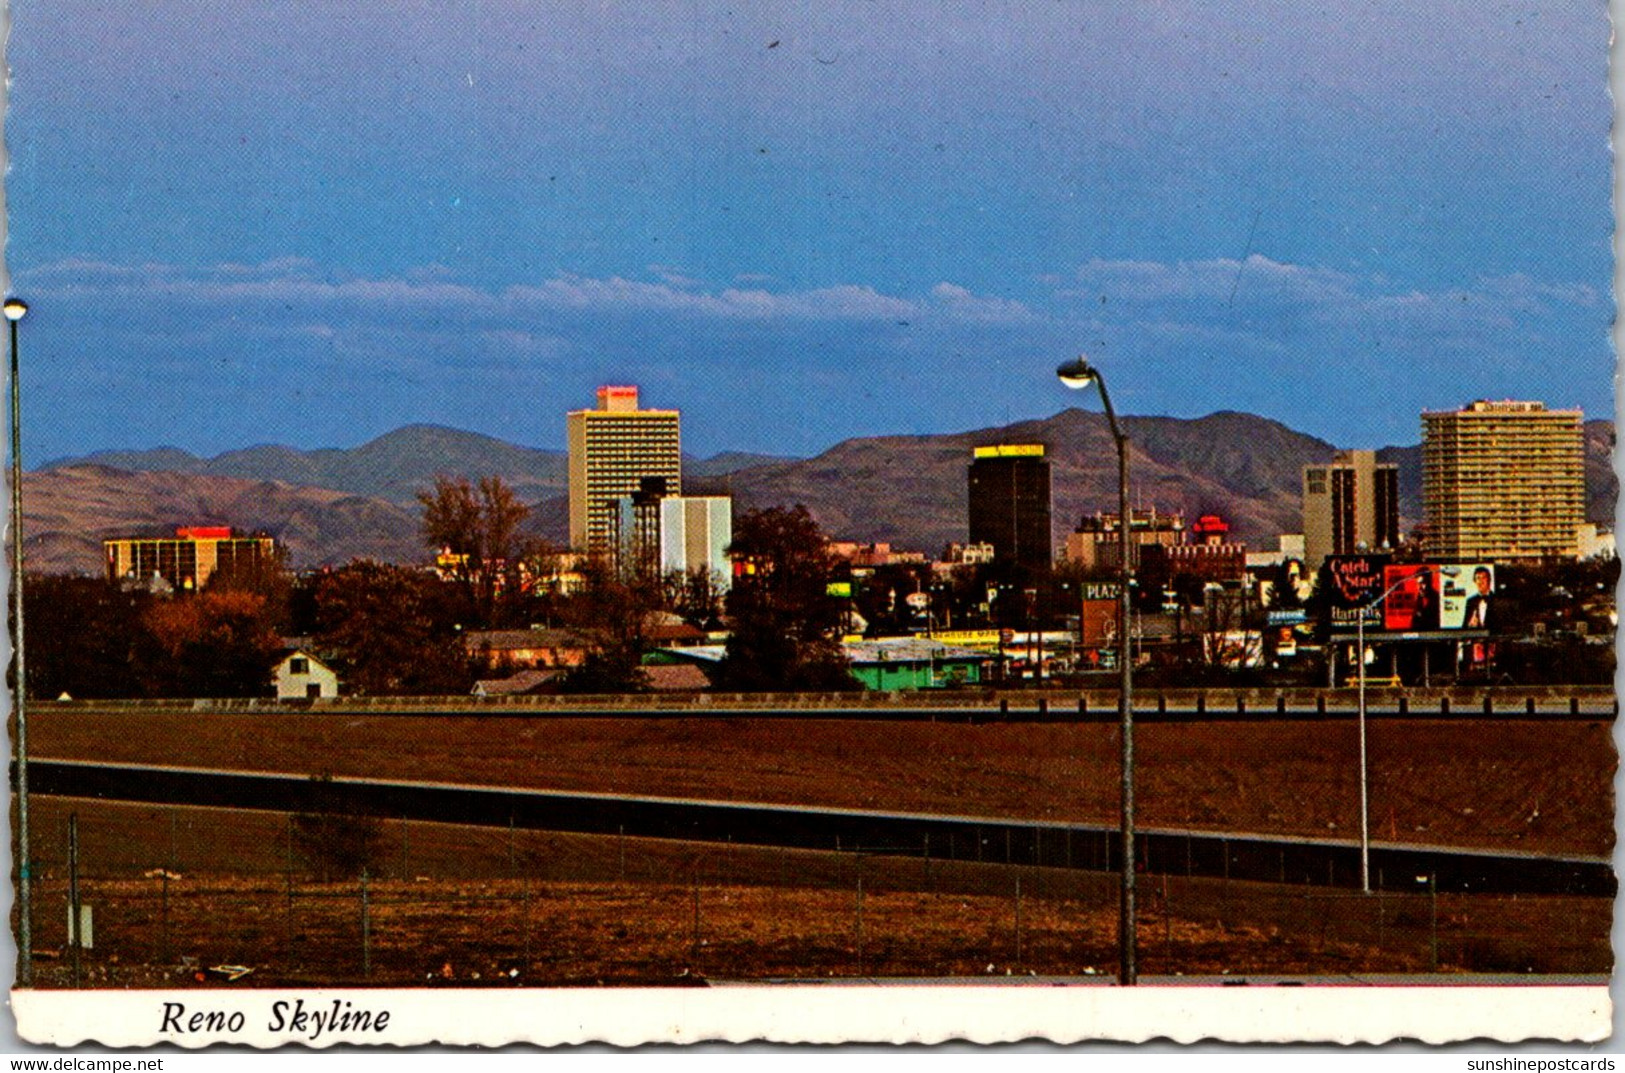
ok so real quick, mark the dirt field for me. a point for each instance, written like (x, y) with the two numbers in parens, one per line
(180, 892)
(1543, 786)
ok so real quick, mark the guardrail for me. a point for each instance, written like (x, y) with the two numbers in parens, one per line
(1507, 702)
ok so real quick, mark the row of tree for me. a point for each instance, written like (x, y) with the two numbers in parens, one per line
(396, 630)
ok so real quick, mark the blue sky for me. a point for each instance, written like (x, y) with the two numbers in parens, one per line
(244, 222)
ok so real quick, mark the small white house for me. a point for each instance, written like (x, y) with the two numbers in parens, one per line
(300, 675)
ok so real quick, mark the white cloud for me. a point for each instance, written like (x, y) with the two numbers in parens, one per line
(1272, 306)
(292, 284)
(961, 304)
(1217, 279)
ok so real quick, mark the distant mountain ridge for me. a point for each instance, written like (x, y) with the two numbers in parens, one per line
(332, 504)
(394, 467)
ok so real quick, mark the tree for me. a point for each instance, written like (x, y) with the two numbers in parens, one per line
(391, 631)
(212, 644)
(478, 530)
(695, 595)
(784, 620)
(613, 607)
(265, 575)
(81, 634)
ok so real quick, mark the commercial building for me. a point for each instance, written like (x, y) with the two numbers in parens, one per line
(189, 559)
(967, 554)
(535, 648)
(1211, 557)
(886, 663)
(1010, 505)
(613, 449)
(1349, 506)
(634, 530)
(856, 553)
(1503, 482)
(1289, 546)
(651, 531)
(1097, 542)
(695, 532)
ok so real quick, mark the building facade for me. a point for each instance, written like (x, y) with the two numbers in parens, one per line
(301, 676)
(695, 532)
(1503, 482)
(1210, 556)
(634, 532)
(1010, 504)
(1097, 542)
(613, 449)
(1349, 506)
(189, 559)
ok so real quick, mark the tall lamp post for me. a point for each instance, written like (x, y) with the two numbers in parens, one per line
(1079, 374)
(14, 309)
(1365, 777)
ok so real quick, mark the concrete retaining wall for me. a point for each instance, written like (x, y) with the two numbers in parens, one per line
(1586, 702)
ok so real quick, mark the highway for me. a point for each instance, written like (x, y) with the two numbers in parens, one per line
(1231, 855)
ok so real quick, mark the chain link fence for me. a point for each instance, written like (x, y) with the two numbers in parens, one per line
(182, 896)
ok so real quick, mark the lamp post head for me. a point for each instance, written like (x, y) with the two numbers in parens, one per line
(1077, 373)
(14, 308)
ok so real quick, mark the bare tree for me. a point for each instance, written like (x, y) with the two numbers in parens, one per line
(476, 532)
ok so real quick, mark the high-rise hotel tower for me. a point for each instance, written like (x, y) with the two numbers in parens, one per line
(613, 449)
(1503, 481)
(1010, 506)
(1349, 506)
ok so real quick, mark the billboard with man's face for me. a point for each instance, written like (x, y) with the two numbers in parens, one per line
(1466, 596)
(1412, 603)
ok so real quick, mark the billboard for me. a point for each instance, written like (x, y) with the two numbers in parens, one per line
(1352, 584)
(1413, 597)
(1466, 596)
(1098, 624)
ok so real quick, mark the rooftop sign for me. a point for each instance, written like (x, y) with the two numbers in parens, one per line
(1010, 450)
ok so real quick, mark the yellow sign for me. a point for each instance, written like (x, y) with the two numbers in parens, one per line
(968, 638)
(1010, 450)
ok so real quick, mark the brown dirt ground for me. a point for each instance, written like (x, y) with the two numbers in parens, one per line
(461, 906)
(1544, 786)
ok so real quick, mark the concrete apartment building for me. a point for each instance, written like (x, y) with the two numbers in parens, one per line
(1009, 500)
(613, 448)
(1503, 482)
(187, 560)
(1348, 506)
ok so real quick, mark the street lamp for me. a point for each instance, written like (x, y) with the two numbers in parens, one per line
(14, 308)
(1365, 791)
(1079, 374)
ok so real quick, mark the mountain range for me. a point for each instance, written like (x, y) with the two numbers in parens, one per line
(331, 505)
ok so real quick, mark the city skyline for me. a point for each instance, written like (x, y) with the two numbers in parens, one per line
(473, 215)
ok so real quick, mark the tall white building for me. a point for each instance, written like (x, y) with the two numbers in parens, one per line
(1503, 482)
(613, 449)
(695, 532)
